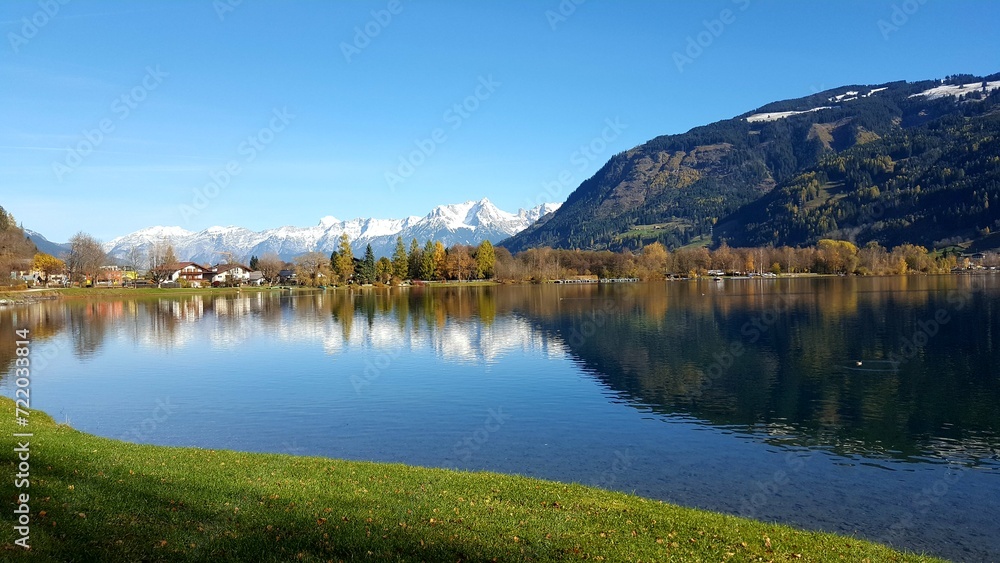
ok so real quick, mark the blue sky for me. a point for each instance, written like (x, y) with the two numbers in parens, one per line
(202, 113)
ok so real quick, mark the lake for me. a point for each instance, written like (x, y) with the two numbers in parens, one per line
(863, 406)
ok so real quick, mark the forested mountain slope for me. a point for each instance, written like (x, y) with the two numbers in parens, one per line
(896, 162)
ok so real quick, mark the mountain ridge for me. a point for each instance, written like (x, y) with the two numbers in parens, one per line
(469, 222)
(731, 179)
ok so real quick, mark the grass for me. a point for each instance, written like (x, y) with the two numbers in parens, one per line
(97, 499)
(697, 242)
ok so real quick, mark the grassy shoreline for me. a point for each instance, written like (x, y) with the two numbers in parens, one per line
(97, 499)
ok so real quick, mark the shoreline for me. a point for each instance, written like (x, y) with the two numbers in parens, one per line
(25, 296)
(118, 501)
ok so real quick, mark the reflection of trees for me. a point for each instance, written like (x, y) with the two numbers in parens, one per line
(88, 323)
(44, 321)
(666, 346)
(794, 372)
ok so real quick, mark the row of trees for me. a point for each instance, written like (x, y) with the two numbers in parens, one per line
(656, 262)
(432, 261)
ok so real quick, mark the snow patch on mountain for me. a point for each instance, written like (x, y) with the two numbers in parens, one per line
(470, 222)
(956, 90)
(774, 116)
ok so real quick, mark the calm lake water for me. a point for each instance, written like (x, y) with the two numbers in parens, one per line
(868, 407)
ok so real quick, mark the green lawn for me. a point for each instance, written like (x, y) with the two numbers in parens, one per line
(96, 499)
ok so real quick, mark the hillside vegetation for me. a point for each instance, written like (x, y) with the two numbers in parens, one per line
(882, 163)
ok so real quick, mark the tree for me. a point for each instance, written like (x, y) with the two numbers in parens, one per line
(312, 268)
(270, 266)
(460, 264)
(16, 250)
(367, 274)
(344, 266)
(162, 261)
(427, 264)
(85, 257)
(254, 263)
(400, 261)
(486, 259)
(384, 270)
(654, 260)
(837, 256)
(440, 257)
(47, 265)
(415, 260)
(135, 257)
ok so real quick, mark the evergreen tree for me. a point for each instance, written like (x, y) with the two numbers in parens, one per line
(254, 263)
(367, 274)
(400, 261)
(427, 264)
(414, 260)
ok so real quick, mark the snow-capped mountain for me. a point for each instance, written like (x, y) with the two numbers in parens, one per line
(461, 223)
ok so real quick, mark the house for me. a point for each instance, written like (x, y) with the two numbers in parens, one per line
(288, 276)
(191, 272)
(256, 278)
(230, 274)
(110, 275)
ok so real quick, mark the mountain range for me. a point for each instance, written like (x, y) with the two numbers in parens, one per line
(893, 163)
(470, 223)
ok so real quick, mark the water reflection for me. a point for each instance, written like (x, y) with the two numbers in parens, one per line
(773, 359)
